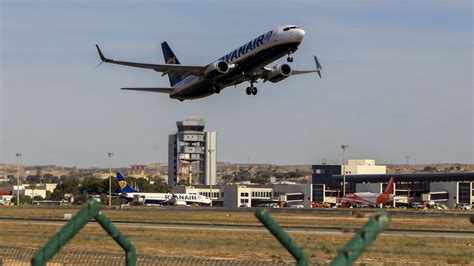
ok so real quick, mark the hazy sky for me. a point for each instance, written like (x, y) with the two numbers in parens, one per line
(397, 80)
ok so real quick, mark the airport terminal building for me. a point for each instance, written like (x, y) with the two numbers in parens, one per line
(252, 195)
(450, 189)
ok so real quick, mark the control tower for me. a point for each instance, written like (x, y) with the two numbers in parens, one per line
(192, 153)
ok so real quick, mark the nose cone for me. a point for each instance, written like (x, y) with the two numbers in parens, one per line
(298, 34)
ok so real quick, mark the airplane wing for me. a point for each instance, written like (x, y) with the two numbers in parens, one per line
(317, 70)
(164, 68)
(160, 90)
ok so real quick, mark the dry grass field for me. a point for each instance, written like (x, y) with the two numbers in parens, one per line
(242, 246)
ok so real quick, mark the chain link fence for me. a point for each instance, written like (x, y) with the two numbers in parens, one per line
(16, 255)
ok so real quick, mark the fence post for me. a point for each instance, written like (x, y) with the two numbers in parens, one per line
(65, 234)
(361, 241)
(130, 253)
(70, 229)
(283, 237)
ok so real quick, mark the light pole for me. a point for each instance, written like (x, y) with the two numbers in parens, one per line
(18, 179)
(344, 147)
(210, 172)
(110, 177)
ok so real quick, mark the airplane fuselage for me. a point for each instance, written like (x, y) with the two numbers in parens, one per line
(165, 198)
(369, 198)
(245, 62)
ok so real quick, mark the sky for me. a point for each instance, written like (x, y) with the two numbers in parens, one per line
(397, 81)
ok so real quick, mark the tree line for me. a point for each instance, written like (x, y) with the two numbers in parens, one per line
(81, 189)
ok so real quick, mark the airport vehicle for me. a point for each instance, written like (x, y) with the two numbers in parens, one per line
(326, 205)
(417, 205)
(130, 194)
(370, 198)
(463, 206)
(248, 63)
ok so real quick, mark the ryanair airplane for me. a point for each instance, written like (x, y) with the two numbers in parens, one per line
(248, 63)
(130, 194)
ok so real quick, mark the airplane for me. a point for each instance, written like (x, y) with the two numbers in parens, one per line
(130, 194)
(247, 63)
(371, 198)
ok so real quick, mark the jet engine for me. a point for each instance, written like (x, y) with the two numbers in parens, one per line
(279, 72)
(216, 68)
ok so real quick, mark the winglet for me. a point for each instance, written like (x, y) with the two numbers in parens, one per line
(318, 66)
(102, 57)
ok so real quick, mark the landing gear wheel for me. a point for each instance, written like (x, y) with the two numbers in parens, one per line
(217, 90)
(254, 91)
(248, 90)
(290, 57)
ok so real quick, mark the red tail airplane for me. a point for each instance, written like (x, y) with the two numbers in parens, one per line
(371, 198)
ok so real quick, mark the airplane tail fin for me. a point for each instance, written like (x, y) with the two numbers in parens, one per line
(170, 58)
(124, 187)
(389, 189)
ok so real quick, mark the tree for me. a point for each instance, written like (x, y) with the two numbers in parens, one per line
(115, 185)
(160, 187)
(80, 199)
(49, 178)
(23, 199)
(37, 198)
(93, 186)
(57, 195)
(429, 168)
(32, 179)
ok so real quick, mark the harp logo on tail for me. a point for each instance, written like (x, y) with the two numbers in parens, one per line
(122, 184)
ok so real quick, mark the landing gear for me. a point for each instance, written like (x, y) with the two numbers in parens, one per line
(290, 57)
(251, 91)
(217, 90)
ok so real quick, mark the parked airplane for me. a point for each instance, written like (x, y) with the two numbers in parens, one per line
(244, 64)
(130, 194)
(371, 198)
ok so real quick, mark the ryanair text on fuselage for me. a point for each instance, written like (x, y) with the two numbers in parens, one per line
(248, 63)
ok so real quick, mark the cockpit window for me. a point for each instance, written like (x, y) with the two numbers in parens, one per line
(289, 28)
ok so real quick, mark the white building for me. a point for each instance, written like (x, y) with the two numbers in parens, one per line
(363, 167)
(35, 189)
(251, 195)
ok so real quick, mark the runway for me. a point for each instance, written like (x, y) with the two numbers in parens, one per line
(254, 228)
